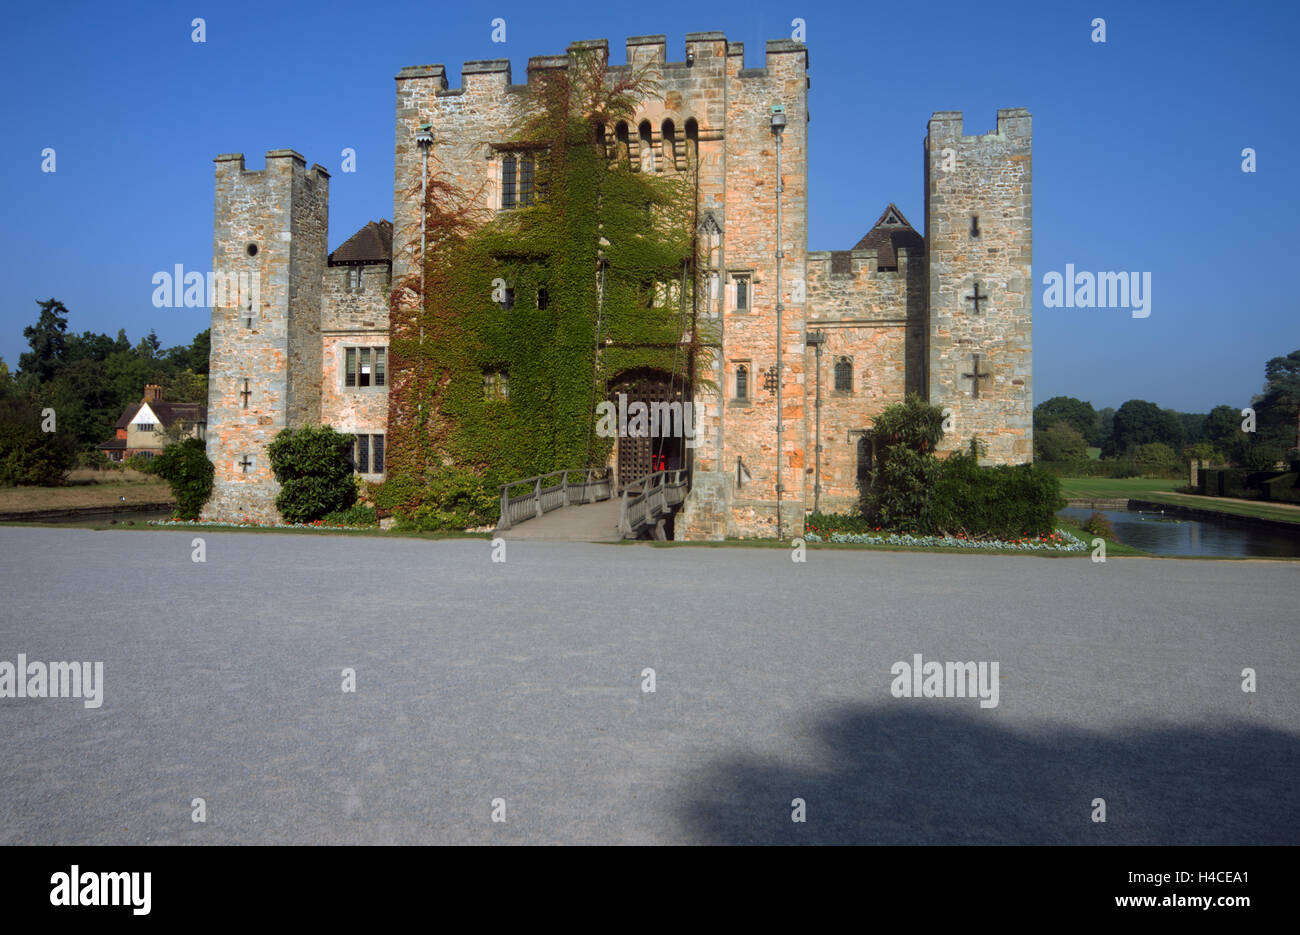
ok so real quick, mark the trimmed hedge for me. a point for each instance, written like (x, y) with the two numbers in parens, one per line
(1002, 502)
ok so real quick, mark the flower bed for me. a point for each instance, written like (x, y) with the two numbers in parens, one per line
(248, 524)
(1058, 541)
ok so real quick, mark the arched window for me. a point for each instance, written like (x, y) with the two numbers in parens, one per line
(647, 150)
(623, 135)
(669, 131)
(864, 462)
(692, 141)
(742, 382)
(844, 375)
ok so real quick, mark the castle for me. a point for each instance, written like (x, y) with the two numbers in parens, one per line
(946, 314)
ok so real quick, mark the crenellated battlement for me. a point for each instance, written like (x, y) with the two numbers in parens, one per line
(949, 126)
(860, 265)
(706, 53)
(232, 165)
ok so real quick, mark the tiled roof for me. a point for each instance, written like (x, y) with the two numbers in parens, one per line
(188, 412)
(167, 413)
(127, 415)
(114, 444)
(889, 233)
(372, 244)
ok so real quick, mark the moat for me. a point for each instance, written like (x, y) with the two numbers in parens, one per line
(1168, 534)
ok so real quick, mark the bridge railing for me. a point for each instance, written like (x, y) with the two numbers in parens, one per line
(534, 496)
(650, 499)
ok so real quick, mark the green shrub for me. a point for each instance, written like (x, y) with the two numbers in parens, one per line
(1099, 525)
(453, 498)
(904, 436)
(96, 460)
(140, 462)
(353, 516)
(314, 467)
(1260, 457)
(913, 491)
(29, 455)
(1002, 502)
(185, 466)
(1154, 457)
(1285, 488)
(1060, 442)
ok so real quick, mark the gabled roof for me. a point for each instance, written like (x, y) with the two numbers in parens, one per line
(167, 413)
(890, 232)
(128, 415)
(372, 244)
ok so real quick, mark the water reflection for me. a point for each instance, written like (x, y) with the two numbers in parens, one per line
(1166, 534)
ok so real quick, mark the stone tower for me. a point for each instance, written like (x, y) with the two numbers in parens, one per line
(713, 116)
(265, 369)
(979, 243)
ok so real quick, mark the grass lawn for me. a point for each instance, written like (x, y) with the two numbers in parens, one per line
(1161, 490)
(1105, 488)
(27, 499)
(1284, 512)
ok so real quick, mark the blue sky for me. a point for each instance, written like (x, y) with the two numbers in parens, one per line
(1137, 148)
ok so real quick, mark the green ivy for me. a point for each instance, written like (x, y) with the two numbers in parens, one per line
(600, 233)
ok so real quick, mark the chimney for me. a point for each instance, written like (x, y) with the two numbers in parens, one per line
(152, 393)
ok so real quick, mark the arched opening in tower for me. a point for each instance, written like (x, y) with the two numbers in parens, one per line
(656, 421)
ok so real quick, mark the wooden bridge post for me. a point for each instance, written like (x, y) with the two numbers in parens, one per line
(504, 521)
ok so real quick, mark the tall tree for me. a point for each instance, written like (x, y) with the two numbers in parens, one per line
(1278, 409)
(1139, 422)
(48, 341)
(1074, 412)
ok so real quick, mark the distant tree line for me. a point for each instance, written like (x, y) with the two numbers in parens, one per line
(1148, 438)
(86, 380)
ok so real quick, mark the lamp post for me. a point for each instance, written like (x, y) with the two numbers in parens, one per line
(817, 339)
(778, 125)
(424, 140)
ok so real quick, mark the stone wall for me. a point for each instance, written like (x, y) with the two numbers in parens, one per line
(876, 319)
(747, 214)
(272, 225)
(988, 178)
(354, 318)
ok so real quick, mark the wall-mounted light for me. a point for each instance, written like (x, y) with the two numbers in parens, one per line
(778, 119)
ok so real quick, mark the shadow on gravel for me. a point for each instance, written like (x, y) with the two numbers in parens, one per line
(899, 776)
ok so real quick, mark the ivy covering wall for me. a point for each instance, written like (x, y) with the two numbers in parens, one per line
(612, 248)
